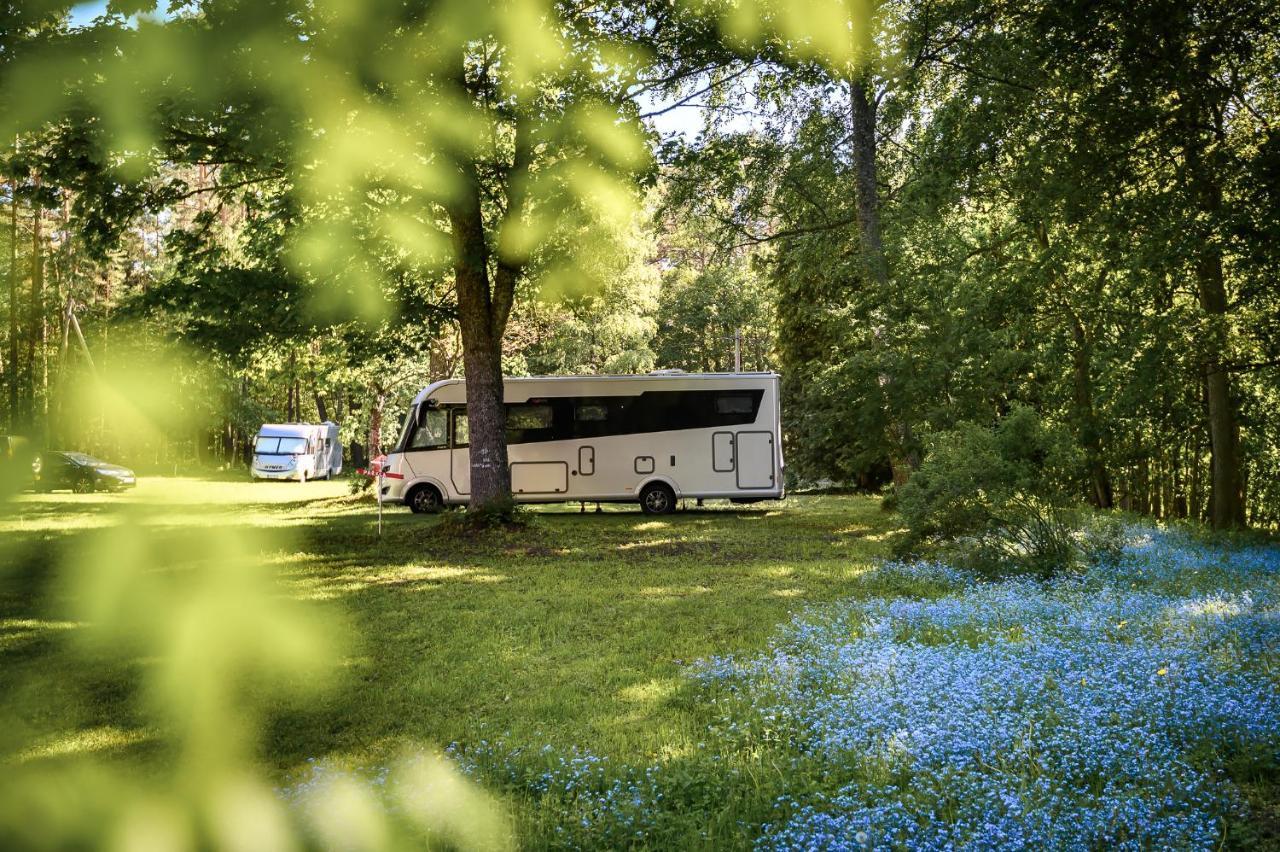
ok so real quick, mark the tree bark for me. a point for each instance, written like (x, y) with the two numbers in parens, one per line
(14, 378)
(37, 354)
(375, 423)
(866, 186)
(862, 113)
(479, 312)
(322, 409)
(1226, 481)
(1090, 431)
(1201, 125)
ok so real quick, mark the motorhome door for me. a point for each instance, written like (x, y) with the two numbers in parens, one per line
(755, 459)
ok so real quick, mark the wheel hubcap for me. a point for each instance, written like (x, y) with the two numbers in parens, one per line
(657, 500)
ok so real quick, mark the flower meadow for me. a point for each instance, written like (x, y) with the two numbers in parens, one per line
(1115, 708)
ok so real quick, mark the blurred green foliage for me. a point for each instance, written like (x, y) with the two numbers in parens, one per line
(193, 624)
(350, 134)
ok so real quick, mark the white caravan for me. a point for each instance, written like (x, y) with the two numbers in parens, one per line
(650, 439)
(298, 451)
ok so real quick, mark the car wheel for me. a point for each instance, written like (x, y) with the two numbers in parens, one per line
(83, 485)
(424, 500)
(657, 498)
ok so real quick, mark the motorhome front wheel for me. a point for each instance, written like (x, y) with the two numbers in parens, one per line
(424, 499)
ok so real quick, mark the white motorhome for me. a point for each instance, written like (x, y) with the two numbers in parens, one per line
(650, 439)
(298, 451)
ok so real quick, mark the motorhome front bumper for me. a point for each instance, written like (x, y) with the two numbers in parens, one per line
(261, 473)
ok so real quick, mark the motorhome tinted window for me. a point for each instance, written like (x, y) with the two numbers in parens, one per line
(529, 417)
(293, 445)
(432, 434)
(568, 417)
(734, 403)
(529, 422)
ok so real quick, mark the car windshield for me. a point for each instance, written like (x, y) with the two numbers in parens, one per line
(81, 458)
(271, 445)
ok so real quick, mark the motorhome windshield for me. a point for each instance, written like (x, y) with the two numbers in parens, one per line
(270, 445)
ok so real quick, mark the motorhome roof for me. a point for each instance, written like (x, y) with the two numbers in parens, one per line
(630, 377)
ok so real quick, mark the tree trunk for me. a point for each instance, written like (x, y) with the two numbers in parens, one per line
(482, 318)
(375, 424)
(1200, 120)
(1226, 481)
(321, 408)
(862, 109)
(37, 355)
(866, 187)
(13, 304)
(1090, 431)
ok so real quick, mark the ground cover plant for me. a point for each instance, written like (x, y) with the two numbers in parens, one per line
(764, 678)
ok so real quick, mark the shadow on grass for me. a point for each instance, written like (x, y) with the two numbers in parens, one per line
(568, 633)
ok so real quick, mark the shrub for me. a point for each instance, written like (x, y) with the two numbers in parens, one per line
(499, 515)
(997, 500)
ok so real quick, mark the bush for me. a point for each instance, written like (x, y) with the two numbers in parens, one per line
(997, 501)
(505, 515)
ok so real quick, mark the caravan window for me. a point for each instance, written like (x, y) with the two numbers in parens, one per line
(432, 434)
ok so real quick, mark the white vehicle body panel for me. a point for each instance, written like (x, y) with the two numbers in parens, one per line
(706, 452)
(313, 453)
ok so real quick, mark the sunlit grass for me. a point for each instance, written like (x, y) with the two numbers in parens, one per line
(572, 634)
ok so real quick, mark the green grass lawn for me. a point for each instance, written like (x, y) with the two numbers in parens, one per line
(570, 634)
(557, 663)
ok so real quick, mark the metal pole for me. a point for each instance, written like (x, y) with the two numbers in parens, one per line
(737, 351)
(378, 485)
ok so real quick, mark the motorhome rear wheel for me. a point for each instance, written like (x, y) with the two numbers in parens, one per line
(658, 499)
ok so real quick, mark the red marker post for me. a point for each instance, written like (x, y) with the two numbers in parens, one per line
(378, 470)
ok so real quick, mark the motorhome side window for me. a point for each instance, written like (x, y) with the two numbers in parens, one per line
(529, 422)
(735, 403)
(591, 412)
(433, 433)
(461, 434)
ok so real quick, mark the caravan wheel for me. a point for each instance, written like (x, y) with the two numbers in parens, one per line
(658, 499)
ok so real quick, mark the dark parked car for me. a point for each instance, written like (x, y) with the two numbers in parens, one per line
(80, 473)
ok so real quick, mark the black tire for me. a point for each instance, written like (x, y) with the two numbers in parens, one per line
(423, 500)
(657, 498)
(84, 485)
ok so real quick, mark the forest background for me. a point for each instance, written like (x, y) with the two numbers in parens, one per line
(925, 215)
